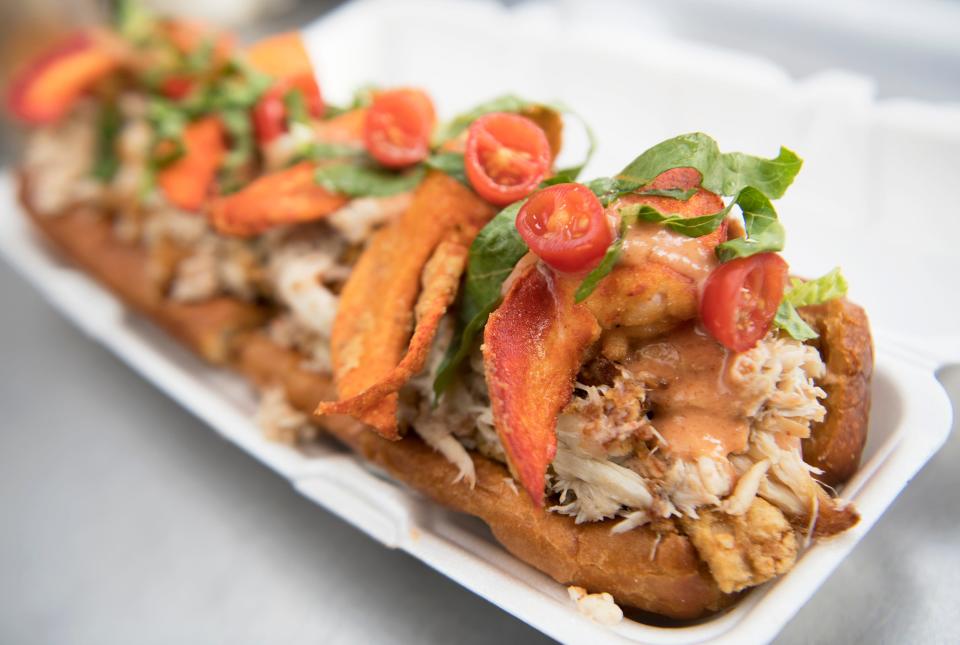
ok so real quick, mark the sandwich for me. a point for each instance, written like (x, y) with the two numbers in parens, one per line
(620, 377)
(629, 388)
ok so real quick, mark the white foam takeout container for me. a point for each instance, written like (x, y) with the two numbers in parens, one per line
(870, 177)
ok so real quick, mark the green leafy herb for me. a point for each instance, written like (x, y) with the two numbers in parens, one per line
(322, 151)
(722, 173)
(131, 20)
(366, 180)
(109, 122)
(238, 160)
(801, 294)
(493, 254)
(296, 107)
(453, 128)
(602, 270)
(689, 226)
(574, 171)
(450, 163)
(168, 122)
(672, 193)
(764, 230)
(363, 97)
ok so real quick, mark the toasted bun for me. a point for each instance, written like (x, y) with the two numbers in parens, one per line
(665, 578)
(88, 240)
(845, 344)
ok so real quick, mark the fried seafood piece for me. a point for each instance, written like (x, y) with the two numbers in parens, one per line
(375, 318)
(743, 550)
(533, 347)
(846, 346)
(656, 283)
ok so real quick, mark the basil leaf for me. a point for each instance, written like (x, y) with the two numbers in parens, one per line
(131, 20)
(296, 107)
(367, 181)
(493, 255)
(672, 193)
(608, 189)
(601, 271)
(450, 163)
(455, 127)
(362, 97)
(801, 294)
(722, 173)
(764, 231)
(689, 226)
(321, 151)
(574, 171)
(109, 122)
(239, 158)
(167, 122)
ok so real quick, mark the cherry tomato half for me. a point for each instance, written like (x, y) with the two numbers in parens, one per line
(565, 225)
(741, 297)
(398, 127)
(507, 155)
(270, 112)
(176, 87)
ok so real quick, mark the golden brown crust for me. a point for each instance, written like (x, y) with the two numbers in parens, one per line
(88, 240)
(656, 572)
(847, 349)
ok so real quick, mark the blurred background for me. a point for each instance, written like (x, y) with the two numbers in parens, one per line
(225, 552)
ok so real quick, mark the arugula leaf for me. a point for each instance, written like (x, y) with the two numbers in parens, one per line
(722, 173)
(366, 181)
(109, 122)
(493, 255)
(450, 163)
(764, 230)
(801, 294)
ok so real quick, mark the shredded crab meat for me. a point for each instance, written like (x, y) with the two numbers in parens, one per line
(592, 489)
(280, 421)
(59, 180)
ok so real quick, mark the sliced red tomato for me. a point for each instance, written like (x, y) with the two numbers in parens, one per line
(507, 156)
(270, 112)
(176, 87)
(565, 225)
(741, 297)
(48, 87)
(398, 127)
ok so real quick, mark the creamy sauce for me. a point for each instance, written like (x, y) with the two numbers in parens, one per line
(688, 256)
(695, 409)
